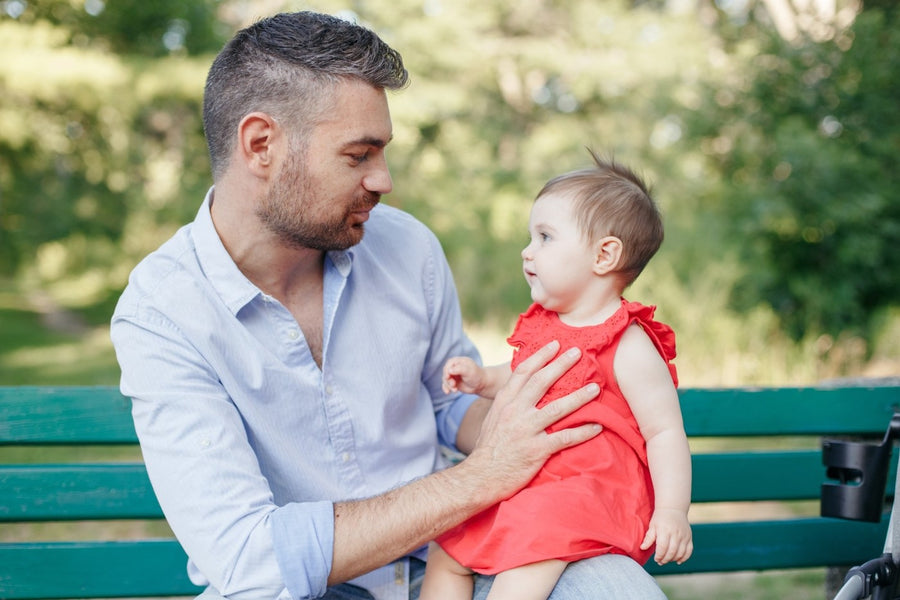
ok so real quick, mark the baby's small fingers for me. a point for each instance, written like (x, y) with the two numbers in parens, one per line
(663, 553)
(685, 552)
(649, 538)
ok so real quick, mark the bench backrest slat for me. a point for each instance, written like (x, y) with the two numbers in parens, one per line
(779, 544)
(76, 491)
(94, 570)
(68, 415)
(102, 415)
(789, 411)
(757, 475)
(122, 491)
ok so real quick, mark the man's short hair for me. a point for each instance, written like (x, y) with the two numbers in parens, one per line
(285, 66)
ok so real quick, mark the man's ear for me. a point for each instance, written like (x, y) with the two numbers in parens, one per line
(608, 253)
(257, 134)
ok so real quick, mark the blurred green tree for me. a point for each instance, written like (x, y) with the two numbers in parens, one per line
(771, 142)
(806, 147)
(132, 27)
(508, 94)
(99, 129)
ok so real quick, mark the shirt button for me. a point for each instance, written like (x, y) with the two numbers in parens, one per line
(329, 390)
(346, 456)
(293, 334)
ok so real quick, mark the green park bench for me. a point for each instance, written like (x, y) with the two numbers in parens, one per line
(750, 446)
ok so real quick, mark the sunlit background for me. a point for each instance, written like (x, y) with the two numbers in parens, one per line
(768, 128)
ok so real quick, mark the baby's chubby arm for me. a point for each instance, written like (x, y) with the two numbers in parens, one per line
(645, 381)
(462, 374)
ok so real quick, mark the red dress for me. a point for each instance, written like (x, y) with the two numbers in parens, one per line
(592, 499)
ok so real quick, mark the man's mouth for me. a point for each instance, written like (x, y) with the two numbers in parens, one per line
(362, 210)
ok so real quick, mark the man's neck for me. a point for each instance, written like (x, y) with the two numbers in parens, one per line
(294, 276)
(278, 269)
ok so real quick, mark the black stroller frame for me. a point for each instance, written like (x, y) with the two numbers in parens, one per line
(858, 473)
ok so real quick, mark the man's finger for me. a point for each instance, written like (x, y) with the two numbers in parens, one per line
(566, 438)
(561, 407)
(533, 363)
(538, 382)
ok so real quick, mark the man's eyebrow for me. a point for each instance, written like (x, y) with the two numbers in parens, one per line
(370, 141)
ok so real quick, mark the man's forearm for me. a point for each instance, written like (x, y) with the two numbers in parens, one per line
(372, 532)
(507, 452)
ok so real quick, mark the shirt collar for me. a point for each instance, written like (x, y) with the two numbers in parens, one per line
(342, 261)
(235, 290)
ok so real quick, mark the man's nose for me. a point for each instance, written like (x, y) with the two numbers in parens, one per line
(379, 180)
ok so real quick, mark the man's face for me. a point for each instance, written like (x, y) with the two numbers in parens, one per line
(325, 188)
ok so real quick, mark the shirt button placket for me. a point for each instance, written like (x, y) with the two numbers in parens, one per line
(342, 435)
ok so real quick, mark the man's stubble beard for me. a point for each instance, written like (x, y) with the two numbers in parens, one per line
(289, 211)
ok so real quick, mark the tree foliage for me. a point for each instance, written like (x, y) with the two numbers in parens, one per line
(772, 159)
(506, 95)
(131, 27)
(806, 146)
(91, 141)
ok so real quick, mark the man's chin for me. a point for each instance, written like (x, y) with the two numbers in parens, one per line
(351, 237)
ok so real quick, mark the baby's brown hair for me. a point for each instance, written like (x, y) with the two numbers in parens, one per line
(611, 199)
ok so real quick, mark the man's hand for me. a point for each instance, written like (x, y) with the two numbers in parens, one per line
(513, 443)
(511, 447)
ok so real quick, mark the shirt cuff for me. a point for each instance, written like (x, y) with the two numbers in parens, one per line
(450, 418)
(303, 538)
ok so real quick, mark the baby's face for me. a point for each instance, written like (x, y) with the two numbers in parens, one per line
(558, 262)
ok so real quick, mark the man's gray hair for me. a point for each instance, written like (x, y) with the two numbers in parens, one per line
(285, 66)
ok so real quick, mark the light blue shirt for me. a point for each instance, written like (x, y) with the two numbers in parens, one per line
(246, 441)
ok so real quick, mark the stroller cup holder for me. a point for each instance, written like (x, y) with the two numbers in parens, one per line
(858, 471)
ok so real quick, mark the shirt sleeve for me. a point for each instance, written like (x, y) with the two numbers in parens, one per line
(450, 417)
(226, 519)
(448, 340)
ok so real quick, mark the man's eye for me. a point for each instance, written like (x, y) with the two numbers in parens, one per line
(359, 158)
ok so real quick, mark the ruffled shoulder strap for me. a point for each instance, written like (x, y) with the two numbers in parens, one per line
(537, 325)
(662, 336)
(530, 325)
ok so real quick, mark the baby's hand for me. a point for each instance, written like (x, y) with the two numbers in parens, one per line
(462, 374)
(670, 530)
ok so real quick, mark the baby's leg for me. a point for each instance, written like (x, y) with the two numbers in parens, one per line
(528, 582)
(445, 578)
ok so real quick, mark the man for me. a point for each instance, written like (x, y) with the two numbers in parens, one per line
(285, 368)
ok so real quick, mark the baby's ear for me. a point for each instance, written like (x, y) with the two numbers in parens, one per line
(608, 253)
